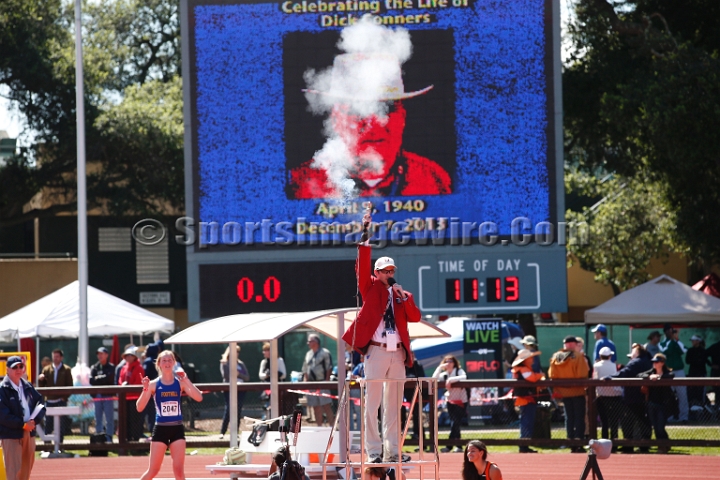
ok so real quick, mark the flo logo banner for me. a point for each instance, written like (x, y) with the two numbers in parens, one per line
(483, 348)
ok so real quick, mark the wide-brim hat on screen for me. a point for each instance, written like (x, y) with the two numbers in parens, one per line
(372, 77)
(384, 262)
(523, 355)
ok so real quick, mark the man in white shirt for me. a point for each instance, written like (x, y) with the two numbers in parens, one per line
(609, 399)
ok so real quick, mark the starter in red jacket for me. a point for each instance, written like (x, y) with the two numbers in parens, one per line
(375, 296)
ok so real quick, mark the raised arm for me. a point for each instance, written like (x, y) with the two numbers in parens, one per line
(191, 390)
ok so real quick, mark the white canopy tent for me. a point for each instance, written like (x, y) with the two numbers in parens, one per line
(657, 301)
(268, 327)
(57, 315)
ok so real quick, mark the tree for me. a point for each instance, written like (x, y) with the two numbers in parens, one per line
(629, 226)
(131, 64)
(642, 99)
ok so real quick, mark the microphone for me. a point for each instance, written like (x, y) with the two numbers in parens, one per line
(391, 281)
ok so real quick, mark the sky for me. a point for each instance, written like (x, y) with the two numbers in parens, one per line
(11, 121)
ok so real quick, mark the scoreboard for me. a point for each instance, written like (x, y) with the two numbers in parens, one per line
(472, 209)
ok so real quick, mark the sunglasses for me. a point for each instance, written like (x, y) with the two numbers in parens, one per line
(18, 366)
(387, 271)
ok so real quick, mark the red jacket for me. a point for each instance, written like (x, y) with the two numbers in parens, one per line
(132, 373)
(375, 296)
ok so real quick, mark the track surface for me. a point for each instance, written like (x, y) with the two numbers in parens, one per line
(555, 466)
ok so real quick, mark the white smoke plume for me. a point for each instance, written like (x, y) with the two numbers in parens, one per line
(360, 82)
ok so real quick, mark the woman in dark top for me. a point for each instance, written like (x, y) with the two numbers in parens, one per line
(476, 465)
(660, 399)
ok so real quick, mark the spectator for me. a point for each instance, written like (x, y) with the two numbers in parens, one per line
(102, 375)
(281, 456)
(317, 367)
(242, 376)
(264, 372)
(674, 351)
(357, 372)
(601, 340)
(476, 465)
(635, 423)
(148, 363)
(659, 398)
(417, 371)
(121, 363)
(609, 399)
(531, 344)
(18, 400)
(510, 351)
(56, 375)
(713, 352)
(381, 473)
(525, 397)
(457, 399)
(697, 360)
(132, 373)
(570, 363)
(45, 362)
(653, 344)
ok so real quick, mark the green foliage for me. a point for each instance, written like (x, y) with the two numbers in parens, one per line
(142, 149)
(133, 104)
(631, 225)
(642, 100)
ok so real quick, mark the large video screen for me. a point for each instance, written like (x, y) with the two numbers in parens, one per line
(464, 133)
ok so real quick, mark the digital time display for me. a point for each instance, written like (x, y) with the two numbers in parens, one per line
(471, 290)
(227, 289)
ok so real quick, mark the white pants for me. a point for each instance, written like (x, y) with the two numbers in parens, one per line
(681, 392)
(379, 363)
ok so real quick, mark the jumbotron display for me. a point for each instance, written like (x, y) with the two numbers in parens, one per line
(465, 135)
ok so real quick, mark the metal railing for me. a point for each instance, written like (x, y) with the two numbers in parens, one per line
(497, 426)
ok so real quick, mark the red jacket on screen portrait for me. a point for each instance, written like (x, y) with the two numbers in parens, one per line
(412, 175)
(375, 296)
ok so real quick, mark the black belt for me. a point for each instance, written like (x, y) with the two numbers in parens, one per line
(383, 345)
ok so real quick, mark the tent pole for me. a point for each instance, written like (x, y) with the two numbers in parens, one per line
(232, 368)
(630, 342)
(342, 424)
(19, 346)
(274, 390)
(37, 358)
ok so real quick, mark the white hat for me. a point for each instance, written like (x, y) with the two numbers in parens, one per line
(696, 337)
(516, 342)
(523, 355)
(384, 262)
(130, 351)
(606, 352)
(370, 76)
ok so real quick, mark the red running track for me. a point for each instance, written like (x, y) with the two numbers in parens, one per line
(547, 466)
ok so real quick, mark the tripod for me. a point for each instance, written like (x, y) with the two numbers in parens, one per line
(591, 466)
